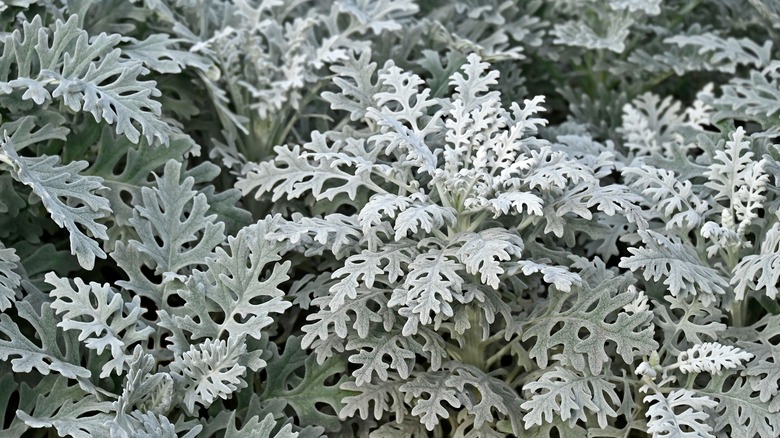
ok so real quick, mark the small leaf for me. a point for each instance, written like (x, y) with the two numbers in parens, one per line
(9, 280)
(429, 408)
(209, 370)
(710, 357)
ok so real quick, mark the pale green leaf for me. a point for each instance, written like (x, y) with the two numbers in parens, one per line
(683, 271)
(483, 252)
(303, 384)
(669, 418)
(584, 327)
(429, 407)
(244, 285)
(171, 222)
(760, 272)
(88, 74)
(430, 286)
(70, 411)
(52, 355)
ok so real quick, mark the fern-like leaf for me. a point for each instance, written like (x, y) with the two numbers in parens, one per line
(669, 417)
(9, 280)
(236, 282)
(72, 200)
(711, 357)
(429, 407)
(684, 272)
(209, 370)
(597, 312)
(88, 74)
(567, 394)
(172, 225)
(760, 272)
(102, 318)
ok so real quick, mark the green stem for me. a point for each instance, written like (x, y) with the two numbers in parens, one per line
(681, 15)
(476, 222)
(293, 119)
(445, 199)
(499, 354)
(395, 181)
(532, 376)
(472, 352)
(737, 313)
(769, 304)
(528, 221)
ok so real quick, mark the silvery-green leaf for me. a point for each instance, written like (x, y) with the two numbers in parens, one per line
(72, 200)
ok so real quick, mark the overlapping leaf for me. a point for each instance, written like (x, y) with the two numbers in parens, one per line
(102, 318)
(88, 74)
(682, 269)
(72, 200)
(236, 282)
(597, 312)
(566, 394)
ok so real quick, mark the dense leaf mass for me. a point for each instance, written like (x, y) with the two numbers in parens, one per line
(389, 218)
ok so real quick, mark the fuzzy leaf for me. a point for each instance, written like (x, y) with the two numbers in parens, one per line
(711, 357)
(26, 355)
(69, 410)
(431, 284)
(483, 394)
(760, 340)
(72, 200)
(425, 216)
(136, 162)
(102, 318)
(256, 428)
(740, 409)
(760, 272)
(357, 88)
(669, 418)
(429, 408)
(371, 357)
(172, 225)
(365, 267)
(209, 370)
(89, 75)
(684, 272)
(9, 280)
(598, 313)
(568, 394)
(385, 397)
(291, 175)
(482, 253)
(237, 282)
(296, 378)
(318, 331)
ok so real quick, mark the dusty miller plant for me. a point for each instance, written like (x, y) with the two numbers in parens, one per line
(461, 219)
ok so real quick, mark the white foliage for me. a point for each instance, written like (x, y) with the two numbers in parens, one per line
(711, 357)
(760, 272)
(680, 414)
(569, 395)
(209, 370)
